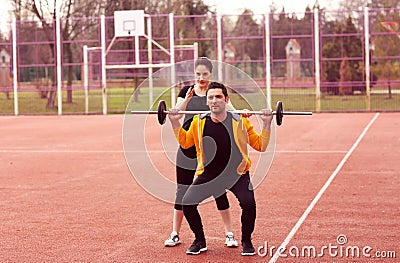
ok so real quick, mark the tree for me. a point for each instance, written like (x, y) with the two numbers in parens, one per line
(386, 43)
(353, 50)
(198, 26)
(281, 27)
(72, 29)
(46, 13)
(245, 49)
(343, 55)
(331, 51)
(356, 4)
(304, 27)
(345, 77)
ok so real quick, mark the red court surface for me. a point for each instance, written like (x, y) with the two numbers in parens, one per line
(67, 194)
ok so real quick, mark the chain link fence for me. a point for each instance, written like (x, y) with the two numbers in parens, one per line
(318, 60)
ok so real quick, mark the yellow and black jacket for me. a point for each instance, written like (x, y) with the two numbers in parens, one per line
(244, 134)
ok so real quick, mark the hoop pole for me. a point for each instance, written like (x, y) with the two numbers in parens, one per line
(15, 64)
(158, 45)
(137, 50)
(111, 44)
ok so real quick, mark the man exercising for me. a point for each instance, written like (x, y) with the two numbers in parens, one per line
(221, 139)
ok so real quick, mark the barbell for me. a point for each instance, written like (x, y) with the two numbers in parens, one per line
(279, 112)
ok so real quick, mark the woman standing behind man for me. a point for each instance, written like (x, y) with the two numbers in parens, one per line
(193, 98)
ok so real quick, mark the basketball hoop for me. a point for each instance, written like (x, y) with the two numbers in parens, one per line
(392, 27)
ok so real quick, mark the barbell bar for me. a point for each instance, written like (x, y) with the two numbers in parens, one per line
(279, 112)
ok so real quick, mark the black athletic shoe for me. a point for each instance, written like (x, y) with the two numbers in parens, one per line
(197, 247)
(248, 249)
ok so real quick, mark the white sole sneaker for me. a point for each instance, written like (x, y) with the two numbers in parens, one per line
(172, 241)
(167, 244)
(230, 241)
(197, 252)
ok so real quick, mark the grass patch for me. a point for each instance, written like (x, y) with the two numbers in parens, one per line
(119, 98)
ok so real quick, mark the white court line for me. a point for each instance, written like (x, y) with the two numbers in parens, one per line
(311, 151)
(321, 192)
(57, 151)
(149, 151)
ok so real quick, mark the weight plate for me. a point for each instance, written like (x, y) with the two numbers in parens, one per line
(279, 113)
(162, 107)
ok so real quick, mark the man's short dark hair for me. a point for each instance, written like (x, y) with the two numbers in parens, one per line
(205, 62)
(217, 85)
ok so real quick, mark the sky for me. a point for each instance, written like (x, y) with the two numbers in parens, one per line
(4, 14)
(262, 6)
(222, 6)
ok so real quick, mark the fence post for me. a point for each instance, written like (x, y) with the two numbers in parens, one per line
(172, 57)
(86, 77)
(367, 60)
(317, 61)
(59, 66)
(219, 47)
(15, 64)
(150, 60)
(196, 50)
(268, 59)
(103, 63)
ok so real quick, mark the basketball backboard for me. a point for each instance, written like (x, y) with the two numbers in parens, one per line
(128, 23)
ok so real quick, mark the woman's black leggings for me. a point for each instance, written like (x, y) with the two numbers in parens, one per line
(186, 164)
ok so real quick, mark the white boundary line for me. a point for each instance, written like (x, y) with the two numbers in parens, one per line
(321, 192)
(57, 151)
(311, 151)
(22, 150)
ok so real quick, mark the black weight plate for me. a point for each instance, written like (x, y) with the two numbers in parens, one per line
(162, 107)
(279, 113)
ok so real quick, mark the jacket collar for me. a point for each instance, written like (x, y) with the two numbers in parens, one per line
(205, 114)
(235, 116)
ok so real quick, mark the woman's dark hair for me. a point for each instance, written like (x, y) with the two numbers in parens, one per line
(217, 85)
(204, 61)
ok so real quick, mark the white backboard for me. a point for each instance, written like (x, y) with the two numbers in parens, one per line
(129, 23)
